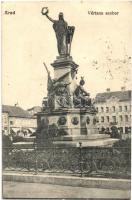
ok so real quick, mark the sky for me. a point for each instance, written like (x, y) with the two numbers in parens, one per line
(101, 46)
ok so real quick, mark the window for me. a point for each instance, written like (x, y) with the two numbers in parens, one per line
(107, 117)
(126, 118)
(114, 118)
(129, 129)
(120, 108)
(102, 119)
(102, 109)
(107, 109)
(120, 118)
(126, 130)
(125, 108)
(4, 119)
(113, 108)
(97, 119)
(97, 109)
(11, 122)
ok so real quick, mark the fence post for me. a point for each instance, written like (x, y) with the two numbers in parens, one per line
(81, 161)
(92, 152)
(36, 161)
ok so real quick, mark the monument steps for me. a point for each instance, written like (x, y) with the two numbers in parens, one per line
(82, 137)
(87, 143)
(29, 139)
(23, 145)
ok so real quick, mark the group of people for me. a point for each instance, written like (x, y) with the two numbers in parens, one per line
(114, 132)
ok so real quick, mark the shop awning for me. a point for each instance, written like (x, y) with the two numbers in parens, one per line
(15, 130)
(32, 130)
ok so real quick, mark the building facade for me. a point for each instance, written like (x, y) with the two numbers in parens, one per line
(5, 122)
(17, 121)
(114, 109)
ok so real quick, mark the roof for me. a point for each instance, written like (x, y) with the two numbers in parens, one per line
(121, 95)
(15, 111)
(35, 108)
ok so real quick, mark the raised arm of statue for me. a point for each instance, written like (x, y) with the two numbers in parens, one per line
(52, 20)
(45, 12)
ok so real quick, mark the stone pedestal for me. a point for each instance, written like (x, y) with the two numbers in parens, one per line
(65, 70)
(73, 123)
(94, 140)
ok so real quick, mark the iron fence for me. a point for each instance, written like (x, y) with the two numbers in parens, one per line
(114, 162)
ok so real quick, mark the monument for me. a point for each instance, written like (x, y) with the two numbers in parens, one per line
(68, 115)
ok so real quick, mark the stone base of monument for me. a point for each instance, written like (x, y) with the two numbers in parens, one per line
(72, 121)
(27, 143)
(75, 126)
(100, 140)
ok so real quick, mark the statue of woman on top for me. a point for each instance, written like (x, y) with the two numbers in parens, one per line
(64, 33)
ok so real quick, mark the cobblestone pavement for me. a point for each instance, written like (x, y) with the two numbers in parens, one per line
(38, 190)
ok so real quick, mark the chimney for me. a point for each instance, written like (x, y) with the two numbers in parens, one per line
(123, 88)
(108, 90)
(16, 104)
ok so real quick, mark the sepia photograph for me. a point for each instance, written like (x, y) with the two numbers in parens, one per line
(66, 99)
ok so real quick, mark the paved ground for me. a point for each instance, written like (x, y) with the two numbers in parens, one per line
(37, 190)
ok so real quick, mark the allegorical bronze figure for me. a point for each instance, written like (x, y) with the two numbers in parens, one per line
(64, 33)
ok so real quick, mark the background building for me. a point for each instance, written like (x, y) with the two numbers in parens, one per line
(32, 111)
(5, 122)
(114, 109)
(17, 121)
